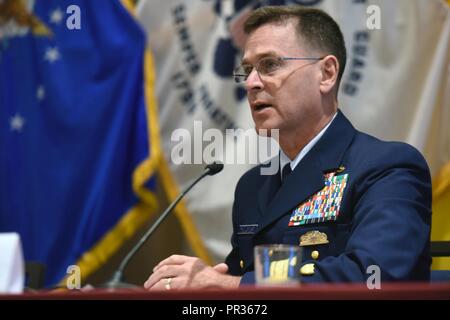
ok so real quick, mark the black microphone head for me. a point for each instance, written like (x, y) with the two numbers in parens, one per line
(214, 168)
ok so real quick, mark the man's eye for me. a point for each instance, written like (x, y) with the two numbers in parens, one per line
(269, 65)
(247, 69)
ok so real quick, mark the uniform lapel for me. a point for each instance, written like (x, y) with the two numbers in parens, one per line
(308, 176)
(292, 191)
(268, 191)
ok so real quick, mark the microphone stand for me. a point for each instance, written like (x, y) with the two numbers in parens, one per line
(116, 280)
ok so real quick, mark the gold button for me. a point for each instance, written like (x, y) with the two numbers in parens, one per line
(315, 254)
(307, 269)
(241, 263)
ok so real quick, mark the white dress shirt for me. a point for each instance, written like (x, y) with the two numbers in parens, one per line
(284, 159)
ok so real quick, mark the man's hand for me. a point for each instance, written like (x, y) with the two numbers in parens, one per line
(189, 272)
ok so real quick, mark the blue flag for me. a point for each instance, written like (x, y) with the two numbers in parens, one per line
(73, 130)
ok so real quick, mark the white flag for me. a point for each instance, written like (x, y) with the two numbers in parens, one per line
(396, 85)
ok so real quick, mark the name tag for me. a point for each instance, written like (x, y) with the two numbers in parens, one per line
(247, 229)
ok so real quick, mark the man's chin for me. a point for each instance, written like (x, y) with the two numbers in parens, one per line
(266, 131)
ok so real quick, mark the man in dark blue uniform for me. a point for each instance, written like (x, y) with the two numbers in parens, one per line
(378, 214)
(349, 200)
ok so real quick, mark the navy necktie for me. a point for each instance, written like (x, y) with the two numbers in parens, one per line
(285, 172)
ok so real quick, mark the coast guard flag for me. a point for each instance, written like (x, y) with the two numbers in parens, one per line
(396, 85)
(73, 130)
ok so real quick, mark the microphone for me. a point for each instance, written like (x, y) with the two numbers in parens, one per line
(116, 280)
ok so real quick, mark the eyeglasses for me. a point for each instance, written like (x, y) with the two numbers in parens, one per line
(265, 67)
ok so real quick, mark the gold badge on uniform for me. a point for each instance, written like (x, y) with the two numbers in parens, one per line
(312, 238)
(307, 269)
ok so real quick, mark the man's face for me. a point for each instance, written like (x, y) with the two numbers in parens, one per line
(288, 98)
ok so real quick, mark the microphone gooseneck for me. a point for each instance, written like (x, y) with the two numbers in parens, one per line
(214, 168)
(116, 280)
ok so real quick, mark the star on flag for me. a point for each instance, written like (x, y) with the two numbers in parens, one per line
(56, 16)
(17, 122)
(52, 54)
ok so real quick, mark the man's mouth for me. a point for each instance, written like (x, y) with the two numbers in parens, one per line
(261, 106)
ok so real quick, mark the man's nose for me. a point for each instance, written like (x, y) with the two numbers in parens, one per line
(253, 81)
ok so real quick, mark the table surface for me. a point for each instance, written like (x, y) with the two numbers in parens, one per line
(304, 292)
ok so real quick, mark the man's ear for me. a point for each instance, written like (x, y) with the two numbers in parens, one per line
(330, 71)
